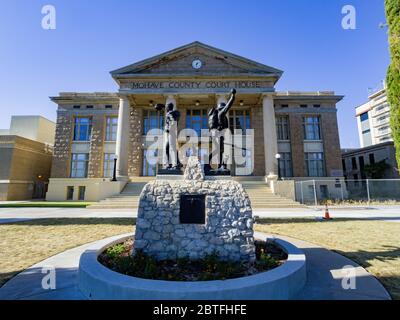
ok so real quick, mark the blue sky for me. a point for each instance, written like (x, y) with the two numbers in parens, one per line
(302, 37)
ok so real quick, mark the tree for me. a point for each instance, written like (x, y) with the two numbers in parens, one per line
(376, 170)
(393, 74)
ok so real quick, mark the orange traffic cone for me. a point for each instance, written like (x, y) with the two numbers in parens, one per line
(327, 216)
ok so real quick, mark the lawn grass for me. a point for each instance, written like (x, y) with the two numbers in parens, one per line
(375, 245)
(23, 244)
(45, 204)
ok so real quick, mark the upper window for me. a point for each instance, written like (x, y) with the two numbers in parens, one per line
(152, 120)
(282, 128)
(312, 128)
(82, 128)
(196, 119)
(79, 165)
(364, 116)
(111, 128)
(239, 120)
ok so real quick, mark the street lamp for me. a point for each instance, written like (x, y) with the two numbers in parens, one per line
(278, 157)
(115, 170)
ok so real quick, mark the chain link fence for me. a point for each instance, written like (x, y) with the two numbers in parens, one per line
(319, 192)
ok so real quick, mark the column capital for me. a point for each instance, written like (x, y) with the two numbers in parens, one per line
(268, 95)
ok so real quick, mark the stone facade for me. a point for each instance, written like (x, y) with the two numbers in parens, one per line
(62, 145)
(95, 167)
(228, 230)
(135, 156)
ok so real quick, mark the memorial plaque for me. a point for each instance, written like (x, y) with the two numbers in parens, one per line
(192, 209)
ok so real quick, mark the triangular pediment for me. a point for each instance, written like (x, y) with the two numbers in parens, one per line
(213, 62)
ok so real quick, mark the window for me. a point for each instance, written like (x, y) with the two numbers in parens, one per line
(108, 106)
(239, 120)
(285, 165)
(366, 131)
(282, 128)
(312, 128)
(152, 120)
(82, 129)
(303, 106)
(284, 106)
(81, 194)
(89, 107)
(364, 116)
(77, 107)
(108, 165)
(314, 164)
(79, 165)
(317, 105)
(353, 163)
(70, 193)
(111, 128)
(196, 119)
(371, 158)
(344, 165)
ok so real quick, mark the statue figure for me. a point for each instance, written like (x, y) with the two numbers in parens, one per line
(170, 135)
(217, 122)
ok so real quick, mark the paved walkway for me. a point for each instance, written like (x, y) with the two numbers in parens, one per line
(324, 278)
(390, 213)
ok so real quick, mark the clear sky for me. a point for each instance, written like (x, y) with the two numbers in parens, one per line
(302, 37)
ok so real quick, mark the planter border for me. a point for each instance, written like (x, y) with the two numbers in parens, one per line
(100, 283)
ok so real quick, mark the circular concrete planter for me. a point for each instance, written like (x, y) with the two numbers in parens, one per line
(98, 282)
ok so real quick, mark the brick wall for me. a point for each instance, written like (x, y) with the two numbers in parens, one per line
(330, 134)
(257, 125)
(297, 143)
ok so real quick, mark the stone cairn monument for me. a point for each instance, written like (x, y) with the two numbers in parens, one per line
(193, 217)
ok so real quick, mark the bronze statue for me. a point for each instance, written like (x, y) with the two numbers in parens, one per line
(170, 135)
(218, 121)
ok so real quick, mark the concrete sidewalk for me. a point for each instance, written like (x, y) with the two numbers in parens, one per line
(324, 278)
(389, 213)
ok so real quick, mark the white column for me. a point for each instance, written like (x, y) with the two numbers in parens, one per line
(122, 138)
(270, 139)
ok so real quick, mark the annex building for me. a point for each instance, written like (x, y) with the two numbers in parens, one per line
(295, 133)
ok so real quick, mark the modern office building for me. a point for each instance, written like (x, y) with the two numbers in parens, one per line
(94, 128)
(373, 120)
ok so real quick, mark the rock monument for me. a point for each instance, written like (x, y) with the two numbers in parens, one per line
(194, 217)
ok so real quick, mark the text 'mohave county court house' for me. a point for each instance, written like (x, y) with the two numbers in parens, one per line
(93, 128)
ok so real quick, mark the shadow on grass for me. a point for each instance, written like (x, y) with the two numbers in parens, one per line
(75, 221)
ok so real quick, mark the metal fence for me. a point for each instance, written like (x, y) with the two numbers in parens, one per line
(318, 192)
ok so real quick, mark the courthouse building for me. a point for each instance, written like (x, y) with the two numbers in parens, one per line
(296, 133)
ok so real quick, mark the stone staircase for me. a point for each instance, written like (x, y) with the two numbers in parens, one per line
(260, 195)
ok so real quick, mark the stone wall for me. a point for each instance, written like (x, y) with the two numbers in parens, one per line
(259, 154)
(62, 145)
(228, 229)
(95, 168)
(135, 157)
